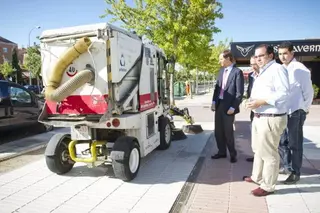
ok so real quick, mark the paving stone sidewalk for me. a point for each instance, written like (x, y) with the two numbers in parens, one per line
(219, 186)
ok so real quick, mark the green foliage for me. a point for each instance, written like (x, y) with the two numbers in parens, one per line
(315, 90)
(32, 61)
(180, 28)
(183, 75)
(6, 69)
(214, 66)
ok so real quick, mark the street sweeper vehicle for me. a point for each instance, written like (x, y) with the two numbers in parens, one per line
(107, 86)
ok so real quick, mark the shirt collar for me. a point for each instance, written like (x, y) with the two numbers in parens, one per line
(262, 69)
(229, 68)
(254, 74)
(293, 59)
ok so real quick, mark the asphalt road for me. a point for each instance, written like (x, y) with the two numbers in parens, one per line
(20, 161)
(22, 132)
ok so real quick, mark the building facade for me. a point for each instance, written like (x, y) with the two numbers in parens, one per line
(6, 49)
(306, 51)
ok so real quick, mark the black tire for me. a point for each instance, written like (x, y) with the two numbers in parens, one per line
(120, 155)
(60, 162)
(165, 133)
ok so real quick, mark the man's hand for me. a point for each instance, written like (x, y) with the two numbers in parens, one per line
(230, 111)
(255, 104)
(213, 107)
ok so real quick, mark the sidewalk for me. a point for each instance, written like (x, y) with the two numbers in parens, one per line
(196, 100)
(219, 186)
(25, 145)
(162, 174)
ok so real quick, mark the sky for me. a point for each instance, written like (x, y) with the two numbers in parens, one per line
(244, 20)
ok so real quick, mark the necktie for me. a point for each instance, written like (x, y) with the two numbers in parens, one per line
(223, 84)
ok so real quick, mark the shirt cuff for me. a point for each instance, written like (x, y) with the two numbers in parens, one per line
(213, 102)
(231, 108)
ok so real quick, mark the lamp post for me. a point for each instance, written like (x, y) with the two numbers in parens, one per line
(36, 27)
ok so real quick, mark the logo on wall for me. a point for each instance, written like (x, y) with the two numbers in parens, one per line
(122, 61)
(72, 71)
(244, 50)
(122, 64)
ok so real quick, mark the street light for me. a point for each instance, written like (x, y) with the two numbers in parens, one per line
(36, 27)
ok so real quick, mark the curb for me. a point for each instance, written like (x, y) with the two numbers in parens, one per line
(184, 195)
(25, 151)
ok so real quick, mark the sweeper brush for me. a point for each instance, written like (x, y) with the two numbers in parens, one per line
(191, 128)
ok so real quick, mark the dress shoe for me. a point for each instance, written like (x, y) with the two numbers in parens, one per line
(247, 179)
(233, 159)
(258, 192)
(249, 159)
(218, 156)
(292, 179)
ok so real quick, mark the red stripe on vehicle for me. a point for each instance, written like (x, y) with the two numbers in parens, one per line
(95, 104)
(79, 105)
(146, 103)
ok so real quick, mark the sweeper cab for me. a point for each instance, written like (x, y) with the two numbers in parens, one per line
(109, 88)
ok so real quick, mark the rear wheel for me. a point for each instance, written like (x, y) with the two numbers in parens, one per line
(126, 158)
(60, 162)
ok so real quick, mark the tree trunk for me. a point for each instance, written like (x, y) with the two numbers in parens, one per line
(30, 78)
(172, 102)
(197, 82)
(38, 84)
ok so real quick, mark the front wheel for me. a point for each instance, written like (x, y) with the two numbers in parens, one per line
(59, 161)
(165, 133)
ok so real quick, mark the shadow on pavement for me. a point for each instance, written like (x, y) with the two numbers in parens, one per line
(221, 171)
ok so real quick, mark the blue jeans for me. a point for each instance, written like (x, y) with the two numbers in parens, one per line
(291, 142)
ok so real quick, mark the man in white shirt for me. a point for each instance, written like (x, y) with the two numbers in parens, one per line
(269, 95)
(301, 96)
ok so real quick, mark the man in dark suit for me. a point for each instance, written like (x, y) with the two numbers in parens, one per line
(252, 76)
(226, 99)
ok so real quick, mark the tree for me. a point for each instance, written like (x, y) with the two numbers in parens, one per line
(33, 61)
(16, 66)
(6, 69)
(176, 26)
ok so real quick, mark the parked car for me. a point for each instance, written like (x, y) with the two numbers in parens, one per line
(19, 107)
(34, 88)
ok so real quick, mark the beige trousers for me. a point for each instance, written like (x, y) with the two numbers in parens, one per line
(266, 132)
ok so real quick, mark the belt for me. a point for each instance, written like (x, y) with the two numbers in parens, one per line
(258, 115)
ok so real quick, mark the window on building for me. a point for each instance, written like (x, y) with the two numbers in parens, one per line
(5, 50)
